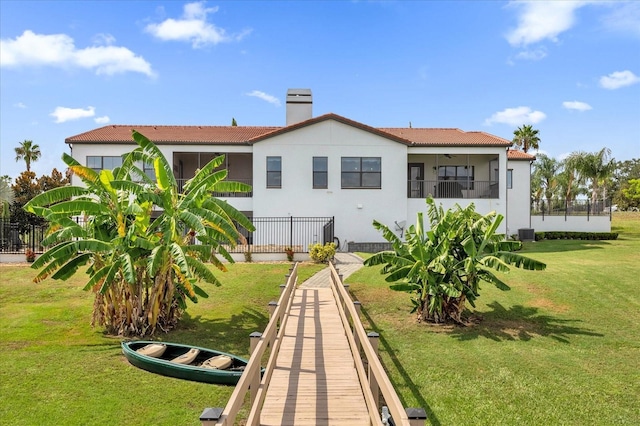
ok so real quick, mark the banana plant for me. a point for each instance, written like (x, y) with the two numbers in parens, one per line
(145, 246)
(442, 267)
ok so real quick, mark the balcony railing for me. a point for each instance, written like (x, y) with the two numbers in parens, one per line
(181, 183)
(563, 207)
(461, 188)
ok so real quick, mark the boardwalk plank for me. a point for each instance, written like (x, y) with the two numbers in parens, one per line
(314, 381)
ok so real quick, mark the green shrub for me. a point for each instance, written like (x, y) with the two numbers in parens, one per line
(568, 235)
(322, 254)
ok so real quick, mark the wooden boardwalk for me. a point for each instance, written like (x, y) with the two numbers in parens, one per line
(314, 381)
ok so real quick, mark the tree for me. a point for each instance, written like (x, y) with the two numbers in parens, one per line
(25, 187)
(546, 169)
(442, 267)
(6, 196)
(56, 180)
(630, 195)
(597, 168)
(142, 271)
(621, 180)
(27, 151)
(526, 137)
(569, 179)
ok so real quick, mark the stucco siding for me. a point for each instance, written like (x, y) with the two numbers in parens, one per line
(354, 209)
(518, 197)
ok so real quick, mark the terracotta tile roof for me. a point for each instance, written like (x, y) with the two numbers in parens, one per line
(446, 137)
(335, 117)
(252, 134)
(173, 134)
(514, 154)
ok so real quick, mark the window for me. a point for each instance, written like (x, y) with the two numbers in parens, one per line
(320, 172)
(99, 163)
(463, 175)
(509, 178)
(149, 170)
(361, 172)
(274, 172)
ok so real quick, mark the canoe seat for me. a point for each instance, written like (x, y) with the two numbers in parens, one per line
(188, 357)
(154, 350)
(220, 362)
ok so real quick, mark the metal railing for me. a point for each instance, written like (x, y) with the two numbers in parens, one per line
(17, 239)
(274, 234)
(564, 207)
(456, 188)
(181, 183)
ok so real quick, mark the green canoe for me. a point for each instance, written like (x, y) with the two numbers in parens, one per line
(168, 361)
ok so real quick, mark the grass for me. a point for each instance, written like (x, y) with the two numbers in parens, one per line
(562, 347)
(56, 368)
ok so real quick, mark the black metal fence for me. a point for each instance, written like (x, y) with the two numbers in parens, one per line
(272, 235)
(564, 207)
(17, 239)
(275, 234)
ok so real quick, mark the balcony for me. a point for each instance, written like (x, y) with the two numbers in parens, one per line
(181, 183)
(455, 188)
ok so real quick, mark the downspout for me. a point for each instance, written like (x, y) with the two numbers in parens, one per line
(530, 166)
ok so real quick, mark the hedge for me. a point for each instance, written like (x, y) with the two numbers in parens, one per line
(567, 235)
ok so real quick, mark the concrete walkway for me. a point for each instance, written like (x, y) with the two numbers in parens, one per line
(346, 263)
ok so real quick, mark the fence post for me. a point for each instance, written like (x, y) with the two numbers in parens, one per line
(210, 416)
(254, 338)
(272, 307)
(373, 384)
(291, 231)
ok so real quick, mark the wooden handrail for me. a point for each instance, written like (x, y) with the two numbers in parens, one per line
(250, 380)
(357, 337)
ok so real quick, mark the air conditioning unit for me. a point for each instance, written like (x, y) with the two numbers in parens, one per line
(526, 234)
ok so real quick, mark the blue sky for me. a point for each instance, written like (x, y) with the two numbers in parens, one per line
(571, 69)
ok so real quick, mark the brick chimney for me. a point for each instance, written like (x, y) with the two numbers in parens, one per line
(299, 103)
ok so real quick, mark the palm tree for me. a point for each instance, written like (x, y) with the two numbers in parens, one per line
(570, 180)
(596, 167)
(6, 197)
(142, 271)
(526, 137)
(27, 151)
(545, 170)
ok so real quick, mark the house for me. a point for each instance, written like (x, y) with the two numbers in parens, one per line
(331, 166)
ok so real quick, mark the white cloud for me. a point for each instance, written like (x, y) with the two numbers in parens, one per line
(59, 50)
(540, 20)
(618, 79)
(103, 39)
(532, 55)
(63, 114)
(624, 18)
(193, 27)
(516, 116)
(20, 105)
(265, 97)
(102, 120)
(576, 105)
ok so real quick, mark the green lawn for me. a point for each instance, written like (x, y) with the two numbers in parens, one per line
(562, 347)
(56, 369)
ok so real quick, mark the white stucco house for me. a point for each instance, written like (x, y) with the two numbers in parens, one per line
(331, 166)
